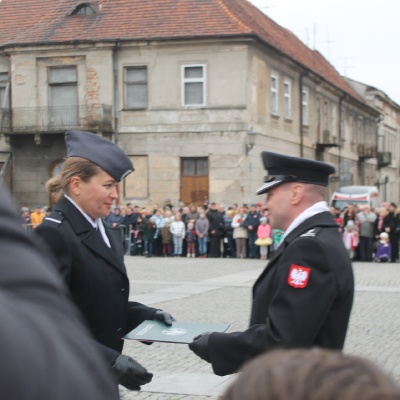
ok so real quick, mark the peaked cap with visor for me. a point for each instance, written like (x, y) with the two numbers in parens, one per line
(107, 155)
(283, 169)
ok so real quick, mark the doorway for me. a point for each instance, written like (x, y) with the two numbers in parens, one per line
(194, 180)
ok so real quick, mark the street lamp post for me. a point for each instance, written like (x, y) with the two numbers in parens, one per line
(250, 140)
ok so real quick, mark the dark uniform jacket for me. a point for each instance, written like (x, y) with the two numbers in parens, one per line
(46, 352)
(95, 275)
(302, 299)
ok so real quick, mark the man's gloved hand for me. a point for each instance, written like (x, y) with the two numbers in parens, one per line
(163, 316)
(130, 373)
(199, 346)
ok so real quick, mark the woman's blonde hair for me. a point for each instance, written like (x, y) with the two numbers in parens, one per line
(74, 166)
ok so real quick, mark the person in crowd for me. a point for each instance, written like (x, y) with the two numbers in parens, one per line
(190, 238)
(366, 219)
(184, 215)
(193, 213)
(149, 233)
(46, 348)
(383, 222)
(394, 231)
(168, 217)
(337, 215)
(251, 223)
(349, 214)
(115, 219)
(350, 238)
(305, 295)
(384, 248)
(240, 233)
(136, 211)
(128, 223)
(159, 220)
(216, 230)
(166, 236)
(155, 208)
(37, 217)
(231, 248)
(90, 253)
(202, 227)
(315, 374)
(277, 236)
(264, 237)
(138, 230)
(178, 230)
(26, 219)
(129, 219)
(168, 204)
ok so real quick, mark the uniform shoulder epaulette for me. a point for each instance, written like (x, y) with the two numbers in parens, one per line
(55, 217)
(311, 232)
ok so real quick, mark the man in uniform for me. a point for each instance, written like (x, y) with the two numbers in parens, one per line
(304, 296)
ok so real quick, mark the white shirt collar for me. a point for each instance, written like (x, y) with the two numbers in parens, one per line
(98, 223)
(309, 212)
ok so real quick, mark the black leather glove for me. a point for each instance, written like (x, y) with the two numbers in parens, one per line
(163, 316)
(130, 373)
(199, 346)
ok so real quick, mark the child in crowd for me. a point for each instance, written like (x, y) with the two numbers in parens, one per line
(166, 236)
(264, 237)
(384, 249)
(177, 229)
(350, 238)
(190, 237)
(276, 235)
(202, 225)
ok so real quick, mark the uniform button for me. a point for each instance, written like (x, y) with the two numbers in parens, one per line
(122, 290)
(119, 329)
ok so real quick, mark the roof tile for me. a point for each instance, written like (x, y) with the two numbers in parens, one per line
(48, 21)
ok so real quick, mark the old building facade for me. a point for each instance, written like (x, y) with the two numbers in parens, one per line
(193, 97)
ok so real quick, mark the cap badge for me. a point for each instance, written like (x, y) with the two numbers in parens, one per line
(298, 276)
(126, 174)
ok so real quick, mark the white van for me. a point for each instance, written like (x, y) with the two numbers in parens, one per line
(355, 195)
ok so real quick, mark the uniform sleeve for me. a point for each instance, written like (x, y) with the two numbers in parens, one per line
(294, 316)
(52, 238)
(137, 313)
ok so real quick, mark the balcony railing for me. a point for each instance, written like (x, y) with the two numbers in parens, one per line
(55, 119)
(366, 151)
(384, 158)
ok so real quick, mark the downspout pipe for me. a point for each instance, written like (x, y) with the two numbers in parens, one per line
(116, 90)
(343, 97)
(302, 76)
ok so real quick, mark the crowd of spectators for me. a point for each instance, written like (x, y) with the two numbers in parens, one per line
(370, 234)
(211, 230)
(206, 230)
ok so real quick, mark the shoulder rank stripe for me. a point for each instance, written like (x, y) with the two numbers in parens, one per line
(53, 220)
(311, 233)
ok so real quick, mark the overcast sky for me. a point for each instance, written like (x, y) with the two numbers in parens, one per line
(359, 38)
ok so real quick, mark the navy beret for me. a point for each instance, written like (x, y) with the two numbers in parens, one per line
(283, 168)
(107, 155)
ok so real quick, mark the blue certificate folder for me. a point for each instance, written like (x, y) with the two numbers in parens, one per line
(179, 332)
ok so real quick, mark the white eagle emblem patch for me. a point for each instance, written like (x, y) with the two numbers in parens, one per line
(298, 276)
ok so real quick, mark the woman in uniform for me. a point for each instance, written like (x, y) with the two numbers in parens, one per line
(90, 253)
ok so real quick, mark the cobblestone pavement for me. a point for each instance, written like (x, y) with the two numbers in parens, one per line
(219, 290)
